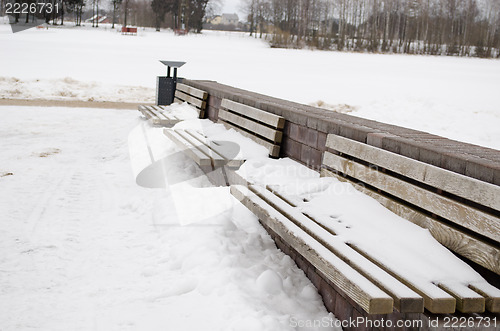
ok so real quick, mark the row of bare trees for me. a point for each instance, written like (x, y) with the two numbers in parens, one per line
(176, 14)
(184, 14)
(453, 27)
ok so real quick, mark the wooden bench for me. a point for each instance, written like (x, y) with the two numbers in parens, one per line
(372, 284)
(262, 127)
(337, 262)
(129, 30)
(158, 115)
(462, 213)
(180, 32)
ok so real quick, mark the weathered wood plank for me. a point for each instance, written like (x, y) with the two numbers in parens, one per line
(216, 159)
(468, 301)
(144, 110)
(252, 112)
(491, 293)
(199, 104)
(461, 243)
(466, 187)
(436, 300)
(157, 117)
(200, 94)
(200, 158)
(274, 150)
(469, 217)
(254, 127)
(405, 299)
(363, 292)
(229, 156)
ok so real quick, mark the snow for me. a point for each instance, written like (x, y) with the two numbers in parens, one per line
(83, 247)
(448, 96)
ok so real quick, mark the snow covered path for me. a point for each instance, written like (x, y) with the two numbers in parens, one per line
(83, 247)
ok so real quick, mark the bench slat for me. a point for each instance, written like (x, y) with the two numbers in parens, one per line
(459, 242)
(197, 93)
(257, 128)
(216, 159)
(199, 104)
(466, 187)
(158, 111)
(273, 120)
(230, 160)
(274, 150)
(362, 291)
(476, 220)
(491, 293)
(200, 158)
(156, 117)
(468, 301)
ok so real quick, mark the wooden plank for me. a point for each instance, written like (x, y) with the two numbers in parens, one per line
(405, 299)
(158, 112)
(363, 292)
(466, 187)
(258, 114)
(200, 104)
(463, 244)
(491, 293)
(200, 158)
(145, 112)
(254, 127)
(200, 94)
(435, 302)
(217, 160)
(274, 150)
(227, 155)
(468, 301)
(471, 218)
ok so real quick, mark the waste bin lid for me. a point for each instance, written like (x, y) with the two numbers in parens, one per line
(173, 64)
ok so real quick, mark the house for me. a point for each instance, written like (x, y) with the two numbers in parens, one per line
(215, 20)
(229, 19)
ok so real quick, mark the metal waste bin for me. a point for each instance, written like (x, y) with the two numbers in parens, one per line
(165, 85)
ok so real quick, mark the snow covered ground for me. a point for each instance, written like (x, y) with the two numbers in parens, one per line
(84, 248)
(448, 96)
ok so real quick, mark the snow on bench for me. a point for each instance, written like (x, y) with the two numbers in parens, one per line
(164, 116)
(264, 128)
(373, 256)
(459, 211)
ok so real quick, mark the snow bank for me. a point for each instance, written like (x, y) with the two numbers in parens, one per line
(83, 247)
(70, 89)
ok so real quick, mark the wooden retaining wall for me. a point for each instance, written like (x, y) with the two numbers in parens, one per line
(304, 139)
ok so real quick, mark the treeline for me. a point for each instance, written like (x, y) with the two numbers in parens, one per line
(184, 14)
(175, 14)
(451, 27)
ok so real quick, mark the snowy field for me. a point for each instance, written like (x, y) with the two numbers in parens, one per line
(448, 96)
(83, 247)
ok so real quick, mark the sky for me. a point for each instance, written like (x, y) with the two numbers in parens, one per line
(231, 6)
